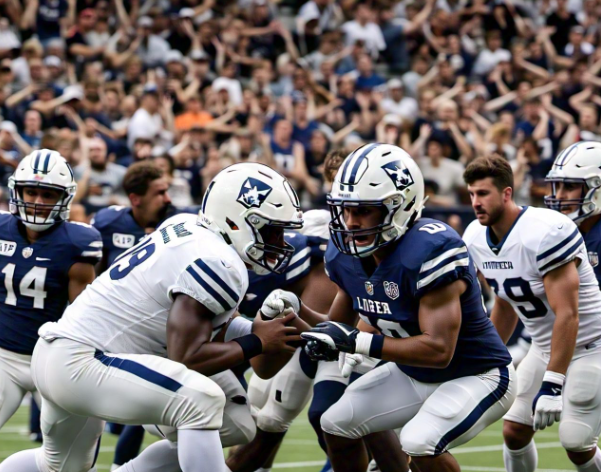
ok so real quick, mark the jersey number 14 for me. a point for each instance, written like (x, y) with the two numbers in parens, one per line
(32, 285)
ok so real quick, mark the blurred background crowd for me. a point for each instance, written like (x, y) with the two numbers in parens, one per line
(196, 85)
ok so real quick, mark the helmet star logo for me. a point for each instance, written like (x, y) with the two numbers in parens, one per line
(399, 174)
(253, 193)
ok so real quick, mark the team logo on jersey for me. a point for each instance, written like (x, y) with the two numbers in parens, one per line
(7, 248)
(391, 290)
(124, 241)
(399, 174)
(593, 258)
(369, 288)
(27, 252)
(253, 193)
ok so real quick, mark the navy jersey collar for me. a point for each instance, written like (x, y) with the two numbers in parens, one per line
(496, 248)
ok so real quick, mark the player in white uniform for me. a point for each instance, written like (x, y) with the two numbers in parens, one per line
(536, 262)
(131, 347)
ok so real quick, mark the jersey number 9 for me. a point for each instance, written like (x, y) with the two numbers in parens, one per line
(512, 286)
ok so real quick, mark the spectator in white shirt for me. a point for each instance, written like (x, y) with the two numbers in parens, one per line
(146, 122)
(326, 12)
(397, 103)
(577, 47)
(363, 28)
(489, 58)
(153, 48)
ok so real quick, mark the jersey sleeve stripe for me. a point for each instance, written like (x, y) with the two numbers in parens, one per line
(299, 270)
(426, 266)
(210, 290)
(97, 244)
(463, 262)
(457, 257)
(565, 257)
(559, 246)
(218, 280)
(300, 255)
(91, 254)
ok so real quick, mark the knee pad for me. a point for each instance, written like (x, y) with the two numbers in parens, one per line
(238, 425)
(338, 420)
(416, 440)
(203, 408)
(289, 394)
(576, 436)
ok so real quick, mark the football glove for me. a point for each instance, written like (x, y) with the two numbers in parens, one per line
(547, 404)
(348, 362)
(278, 303)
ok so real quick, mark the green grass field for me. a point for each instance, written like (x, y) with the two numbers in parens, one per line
(300, 452)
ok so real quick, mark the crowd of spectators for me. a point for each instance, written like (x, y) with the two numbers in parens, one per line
(199, 84)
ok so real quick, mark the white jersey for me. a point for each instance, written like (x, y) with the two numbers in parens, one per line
(539, 241)
(125, 310)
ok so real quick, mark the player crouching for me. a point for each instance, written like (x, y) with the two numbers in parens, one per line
(450, 375)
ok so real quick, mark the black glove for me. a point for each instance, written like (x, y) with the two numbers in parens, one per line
(325, 340)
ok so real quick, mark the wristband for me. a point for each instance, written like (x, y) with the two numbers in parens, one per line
(554, 377)
(251, 345)
(369, 344)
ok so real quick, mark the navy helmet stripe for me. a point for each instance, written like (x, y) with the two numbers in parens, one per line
(139, 370)
(557, 247)
(476, 413)
(347, 162)
(210, 290)
(359, 160)
(46, 162)
(70, 170)
(218, 280)
(566, 153)
(36, 163)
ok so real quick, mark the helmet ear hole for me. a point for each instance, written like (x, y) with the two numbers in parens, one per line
(233, 226)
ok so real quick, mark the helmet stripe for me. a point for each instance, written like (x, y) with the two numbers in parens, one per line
(36, 163)
(358, 162)
(564, 155)
(46, 161)
(347, 166)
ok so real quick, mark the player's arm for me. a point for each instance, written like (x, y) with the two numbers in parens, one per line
(561, 286)
(81, 274)
(504, 318)
(189, 330)
(439, 321)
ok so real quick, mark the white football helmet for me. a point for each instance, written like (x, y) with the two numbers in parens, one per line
(42, 169)
(251, 204)
(376, 175)
(579, 163)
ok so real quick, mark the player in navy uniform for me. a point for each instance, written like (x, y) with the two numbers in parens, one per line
(123, 227)
(450, 375)
(45, 263)
(576, 183)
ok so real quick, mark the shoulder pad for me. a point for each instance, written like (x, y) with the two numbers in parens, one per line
(106, 216)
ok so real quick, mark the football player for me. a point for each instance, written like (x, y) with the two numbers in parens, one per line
(450, 375)
(279, 400)
(45, 264)
(536, 262)
(141, 333)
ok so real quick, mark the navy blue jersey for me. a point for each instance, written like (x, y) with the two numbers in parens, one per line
(120, 231)
(34, 278)
(260, 286)
(592, 240)
(429, 256)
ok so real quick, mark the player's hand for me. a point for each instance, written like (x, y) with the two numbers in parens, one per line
(277, 302)
(547, 404)
(330, 337)
(348, 362)
(275, 335)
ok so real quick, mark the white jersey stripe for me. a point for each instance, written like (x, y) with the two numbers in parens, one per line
(426, 266)
(300, 255)
(299, 270)
(463, 262)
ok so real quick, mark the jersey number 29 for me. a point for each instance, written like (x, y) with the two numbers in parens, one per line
(513, 286)
(32, 285)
